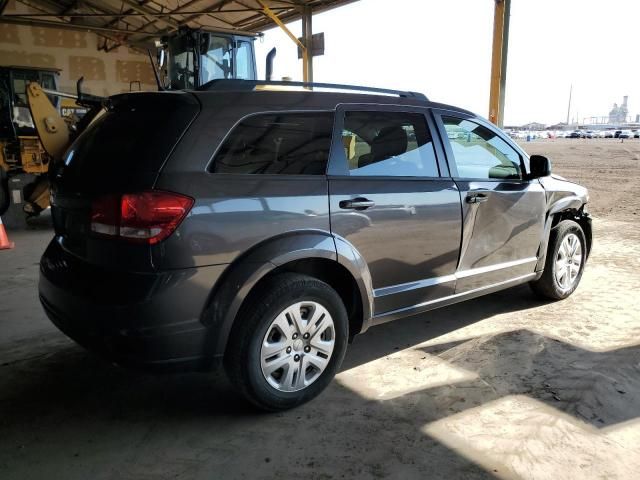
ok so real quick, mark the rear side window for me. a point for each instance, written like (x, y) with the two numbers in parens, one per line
(283, 143)
(394, 144)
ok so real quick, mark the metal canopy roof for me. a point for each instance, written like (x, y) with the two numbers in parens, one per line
(139, 21)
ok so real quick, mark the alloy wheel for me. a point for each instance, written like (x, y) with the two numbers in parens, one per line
(568, 261)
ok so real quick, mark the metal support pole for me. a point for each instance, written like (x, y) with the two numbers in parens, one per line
(307, 36)
(499, 61)
(569, 106)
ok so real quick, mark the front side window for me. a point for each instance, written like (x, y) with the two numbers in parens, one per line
(394, 144)
(282, 143)
(479, 152)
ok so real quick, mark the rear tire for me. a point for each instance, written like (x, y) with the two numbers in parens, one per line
(288, 342)
(566, 258)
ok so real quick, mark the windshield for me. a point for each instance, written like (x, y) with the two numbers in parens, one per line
(217, 60)
(20, 79)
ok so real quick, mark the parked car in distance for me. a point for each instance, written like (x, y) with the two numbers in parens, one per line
(259, 228)
(575, 134)
(609, 134)
(636, 134)
(625, 134)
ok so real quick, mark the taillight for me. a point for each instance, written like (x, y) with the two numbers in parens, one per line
(145, 217)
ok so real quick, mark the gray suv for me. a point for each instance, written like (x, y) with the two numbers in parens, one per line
(262, 226)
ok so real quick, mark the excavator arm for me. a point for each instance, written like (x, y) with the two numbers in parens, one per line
(51, 127)
(55, 136)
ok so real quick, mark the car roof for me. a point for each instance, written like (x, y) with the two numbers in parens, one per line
(280, 99)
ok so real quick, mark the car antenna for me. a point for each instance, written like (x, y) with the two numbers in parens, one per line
(155, 72)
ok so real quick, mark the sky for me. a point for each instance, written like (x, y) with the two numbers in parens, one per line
(443, 49)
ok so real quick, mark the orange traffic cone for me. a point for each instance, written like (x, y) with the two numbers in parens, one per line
(5, 244)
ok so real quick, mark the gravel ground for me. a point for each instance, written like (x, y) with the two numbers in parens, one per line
(504, 386)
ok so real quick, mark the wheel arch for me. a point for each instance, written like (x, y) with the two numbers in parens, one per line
(569, 208)
(313, 253)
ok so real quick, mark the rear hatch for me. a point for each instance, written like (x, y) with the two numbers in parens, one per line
(121, 152)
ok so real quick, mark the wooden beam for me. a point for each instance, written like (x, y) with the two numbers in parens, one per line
(499, 61)
(66, 25)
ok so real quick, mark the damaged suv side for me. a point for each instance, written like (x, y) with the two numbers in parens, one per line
(261, 228)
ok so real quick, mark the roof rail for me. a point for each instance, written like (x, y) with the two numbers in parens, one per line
(237, 84)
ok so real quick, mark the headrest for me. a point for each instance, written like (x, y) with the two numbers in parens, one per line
(391, 141)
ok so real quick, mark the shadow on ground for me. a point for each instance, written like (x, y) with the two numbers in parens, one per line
(69, 412)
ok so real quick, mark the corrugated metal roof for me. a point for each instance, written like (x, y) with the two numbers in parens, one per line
(139, 21)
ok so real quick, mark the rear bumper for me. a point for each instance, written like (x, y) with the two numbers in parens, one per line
(144, 320)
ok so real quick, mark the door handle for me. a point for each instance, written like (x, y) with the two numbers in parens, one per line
(357, 204)
(476, 197)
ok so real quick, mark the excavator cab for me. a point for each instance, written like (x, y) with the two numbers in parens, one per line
(195, 57)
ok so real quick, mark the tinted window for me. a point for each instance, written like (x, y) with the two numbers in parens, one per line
(388, 143)
(479, 152)
(287, 143)
(135, 136)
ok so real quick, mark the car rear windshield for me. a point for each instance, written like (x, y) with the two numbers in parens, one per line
(133, 137)
(282, 143)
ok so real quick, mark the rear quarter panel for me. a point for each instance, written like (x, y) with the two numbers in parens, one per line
(234, 213)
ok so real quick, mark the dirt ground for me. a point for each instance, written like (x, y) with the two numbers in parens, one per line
(504, 386)
(610, 168)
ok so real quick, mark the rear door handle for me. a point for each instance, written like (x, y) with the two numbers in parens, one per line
(357, 204)
(476, 197)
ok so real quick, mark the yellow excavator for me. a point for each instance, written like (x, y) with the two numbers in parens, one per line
(38, 123)
(35, 128)
(25, 155)
(21, 152)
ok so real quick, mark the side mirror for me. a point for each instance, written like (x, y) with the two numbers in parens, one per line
(540, 166)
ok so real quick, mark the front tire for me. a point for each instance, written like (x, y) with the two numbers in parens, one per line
(566, 258)
(288, 342)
